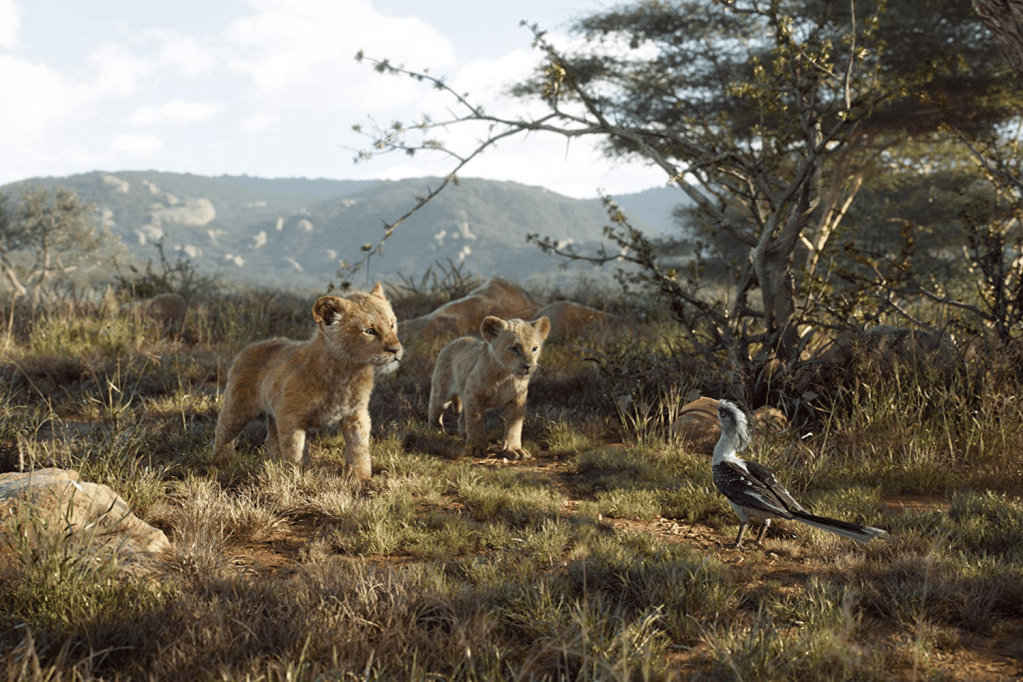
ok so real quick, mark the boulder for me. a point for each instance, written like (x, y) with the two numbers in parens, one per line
(770, 419)
(57, 501)
(166, 308)
(698, 423)
(465, 315)
(570, 319)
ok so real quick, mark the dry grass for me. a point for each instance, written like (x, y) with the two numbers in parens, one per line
(603, 559)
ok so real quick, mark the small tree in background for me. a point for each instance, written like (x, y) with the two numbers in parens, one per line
(45, 237)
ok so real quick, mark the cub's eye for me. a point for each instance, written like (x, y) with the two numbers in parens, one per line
(371, 331)
(534, 348)
(514, 349)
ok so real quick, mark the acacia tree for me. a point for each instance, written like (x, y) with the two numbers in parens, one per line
(769, 116)
(44, 235)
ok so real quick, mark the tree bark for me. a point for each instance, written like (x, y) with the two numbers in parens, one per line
(1004, 18)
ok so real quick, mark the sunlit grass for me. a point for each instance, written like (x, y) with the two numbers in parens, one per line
(457, 568)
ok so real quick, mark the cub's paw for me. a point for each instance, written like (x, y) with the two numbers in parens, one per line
(514, 454)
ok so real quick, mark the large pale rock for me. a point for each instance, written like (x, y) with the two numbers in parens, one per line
(465, 315)
(57, 501)
(570, 319)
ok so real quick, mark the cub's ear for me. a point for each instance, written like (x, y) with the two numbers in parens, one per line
(328, 309)
(378, 291)
(542, 327)
(491, 327)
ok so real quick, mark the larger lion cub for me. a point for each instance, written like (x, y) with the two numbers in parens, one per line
(315, 383)
(473, 375)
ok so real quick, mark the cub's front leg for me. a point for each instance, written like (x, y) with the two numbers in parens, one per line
(290, 442)
(514, 415)
(471, 421)
(356, 428)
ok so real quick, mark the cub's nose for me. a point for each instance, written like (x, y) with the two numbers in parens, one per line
(395, 350)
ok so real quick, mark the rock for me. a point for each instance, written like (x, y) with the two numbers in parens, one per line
(57, 501)
(505, 300)
(464, 315)
(165, 308)
(569, 319)
(770, 419)
(698, 423)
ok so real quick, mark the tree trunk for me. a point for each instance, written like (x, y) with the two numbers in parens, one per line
(1004, 18)
(773, 267)
(12, 277)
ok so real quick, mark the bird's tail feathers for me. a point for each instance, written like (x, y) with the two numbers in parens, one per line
(854, 531)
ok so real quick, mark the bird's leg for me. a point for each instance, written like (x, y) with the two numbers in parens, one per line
(763, 530)
(742, 531)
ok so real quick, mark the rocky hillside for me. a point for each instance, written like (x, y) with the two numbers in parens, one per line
(298, 231)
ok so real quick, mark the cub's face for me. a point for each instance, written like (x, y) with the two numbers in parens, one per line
(361, 327)
(515, 343)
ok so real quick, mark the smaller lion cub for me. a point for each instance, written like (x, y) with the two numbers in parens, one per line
(473, 375)
(315, 383)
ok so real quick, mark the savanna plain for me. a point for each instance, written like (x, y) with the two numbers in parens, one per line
(606, 557)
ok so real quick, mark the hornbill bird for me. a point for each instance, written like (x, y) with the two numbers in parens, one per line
(754, 492)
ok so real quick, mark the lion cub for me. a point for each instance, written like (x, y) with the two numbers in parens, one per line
(474, 375)
(315, 383)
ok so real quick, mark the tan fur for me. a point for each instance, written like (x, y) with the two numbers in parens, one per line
(315, 383)
(473, 375)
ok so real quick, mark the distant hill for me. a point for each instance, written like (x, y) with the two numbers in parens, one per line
(322, 188)
(297, 231)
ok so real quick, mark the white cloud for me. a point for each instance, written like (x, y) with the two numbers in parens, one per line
(178, 111)
(35, 95)
(118, 71)
(258, 122)
(136, 145)
(490, 79)
(182, 53)
(9, 23)
(299, 52)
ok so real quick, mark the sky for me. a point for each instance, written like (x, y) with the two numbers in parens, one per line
(271, 88)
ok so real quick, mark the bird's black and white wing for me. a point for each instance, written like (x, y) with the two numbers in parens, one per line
(766, 476)
(747, 487)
